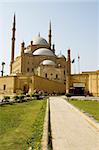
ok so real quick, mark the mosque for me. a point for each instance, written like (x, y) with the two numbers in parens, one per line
(39, 68)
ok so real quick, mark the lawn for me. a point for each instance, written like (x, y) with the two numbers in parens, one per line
(21, 125)
(91, 107)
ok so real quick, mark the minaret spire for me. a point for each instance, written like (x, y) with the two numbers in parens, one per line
(13, 39)
(68, 74)
(39, 34)
(13, 42)
(50, 34)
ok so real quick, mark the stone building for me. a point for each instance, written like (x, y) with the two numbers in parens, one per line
(38, 67)
(85, 83)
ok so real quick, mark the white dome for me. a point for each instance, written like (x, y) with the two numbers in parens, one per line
(48, 62)
(43, 51)
(39, 41)
(27, 51)
(61, 56)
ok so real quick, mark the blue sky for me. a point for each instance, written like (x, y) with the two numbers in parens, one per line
(74, 25)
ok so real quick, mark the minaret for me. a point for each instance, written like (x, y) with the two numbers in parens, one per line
(13, 43)
(39, 34)
(68, 73)
(22, 48)
(68, 62)
(31, 45)
(50, 34)
(53, 48)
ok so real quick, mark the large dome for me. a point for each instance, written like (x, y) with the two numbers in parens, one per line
(43, 51)
(39, 41)
(48, 62)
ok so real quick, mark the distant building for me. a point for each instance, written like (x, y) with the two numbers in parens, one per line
(38, 67)
(85, 83)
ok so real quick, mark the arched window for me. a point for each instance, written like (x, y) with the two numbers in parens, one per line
(56, 76)
(27, 69)
(4, 87)
(64, 72)
(45, 75)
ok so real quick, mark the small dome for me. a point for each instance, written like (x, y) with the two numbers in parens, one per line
(43, 51)
(48, 62)
(39, 41)
(27, 51)
(61, 56)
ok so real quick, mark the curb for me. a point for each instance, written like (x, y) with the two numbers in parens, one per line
(85, 116)
(44, 141)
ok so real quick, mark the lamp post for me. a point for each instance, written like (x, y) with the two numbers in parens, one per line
(2, 71)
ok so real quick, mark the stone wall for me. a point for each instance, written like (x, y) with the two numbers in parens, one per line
(52, 72)
(16, 65)
(16, 84)
(48, 85)
(7, 85)
(90, 79)
(80, 78)
(94, 84)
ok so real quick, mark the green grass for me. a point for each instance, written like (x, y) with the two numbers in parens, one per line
(91, 107)
(20, 123)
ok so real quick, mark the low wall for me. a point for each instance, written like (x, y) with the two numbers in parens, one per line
(48, 86)
(15, 84)
(7, 85)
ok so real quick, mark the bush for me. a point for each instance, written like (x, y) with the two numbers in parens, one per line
(16, 98)
(21, 98)
(28, 95)
(33, 95)
(69, 94)
(45, 94)
(6, 97)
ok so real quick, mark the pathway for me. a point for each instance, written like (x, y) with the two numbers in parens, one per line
(70, 130)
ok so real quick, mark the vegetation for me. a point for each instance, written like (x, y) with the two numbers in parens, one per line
(69, 94)
(91, 107)
(21, 125)
(35, 140)
(6, 97)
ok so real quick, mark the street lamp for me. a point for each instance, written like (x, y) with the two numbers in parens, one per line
(2, 71)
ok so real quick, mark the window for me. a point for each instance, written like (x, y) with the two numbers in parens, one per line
(45, 75)
(56, 76)
(4, 87)
(32, 69)
(27, 69)
(64, 72)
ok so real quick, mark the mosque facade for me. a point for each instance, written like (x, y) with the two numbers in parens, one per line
(39, 68)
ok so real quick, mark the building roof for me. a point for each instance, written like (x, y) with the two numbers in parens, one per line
(39, 41)
(43, 51)
(48, 62)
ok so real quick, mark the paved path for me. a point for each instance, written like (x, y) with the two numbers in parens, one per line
(70, 130)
